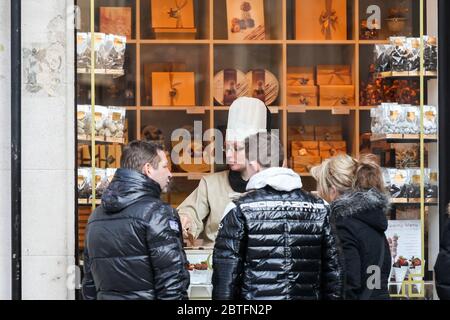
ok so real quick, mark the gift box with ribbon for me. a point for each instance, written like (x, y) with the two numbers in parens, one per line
(301, 76)
(303, 133)
(173, 88)
(173, 19)
(303, 164)
(321, 20)
(305, 148)
(337, 96)
(302, 95)
(328, 133)
(330, 149)
(330, 75)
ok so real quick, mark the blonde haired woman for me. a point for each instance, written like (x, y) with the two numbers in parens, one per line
(355, 190)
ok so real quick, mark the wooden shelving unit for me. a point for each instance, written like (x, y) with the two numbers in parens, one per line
(211, 52)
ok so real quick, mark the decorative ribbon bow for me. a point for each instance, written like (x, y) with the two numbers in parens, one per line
(339, 73)
(176, 13)
(173, 92)
(343, 100)
(328, 19)
(303, 98)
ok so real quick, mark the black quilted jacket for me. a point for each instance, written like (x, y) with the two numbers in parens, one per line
(277, 243)
(133, 246)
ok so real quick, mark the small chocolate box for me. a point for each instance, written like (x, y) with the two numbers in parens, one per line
(303, 164)
(330, 149)
(329, 75)
(329, 133)
(303, 133)
(301, 76)
(173, 88)
(337, 96)
(302, 95)
(305, 148)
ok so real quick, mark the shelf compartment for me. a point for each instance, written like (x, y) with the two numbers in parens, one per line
(402, 138)
(201, 21)
(176, 58)
(250, 57)
(273, 13)
(412, 15)
(84, 6)
(291, 19)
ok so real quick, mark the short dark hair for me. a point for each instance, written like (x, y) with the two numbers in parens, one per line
(265, 148)
(137, 153)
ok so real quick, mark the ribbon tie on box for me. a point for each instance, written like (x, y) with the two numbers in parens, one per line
(173, 92)
(303, 81)
(176, 13)
(336, 73)
(343, 100)
(303, 98)
(328, 19)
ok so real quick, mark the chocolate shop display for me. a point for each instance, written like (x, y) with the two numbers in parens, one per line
(402, 56)
(109, 51)
(392, 118)
(109, 122)
(405, 184)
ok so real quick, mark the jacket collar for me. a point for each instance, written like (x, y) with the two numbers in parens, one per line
(280, 179)
(127, 187)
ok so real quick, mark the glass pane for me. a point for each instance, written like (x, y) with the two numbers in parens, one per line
(339, 77)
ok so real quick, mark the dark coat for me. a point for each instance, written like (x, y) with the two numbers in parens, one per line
(442, 267)
(277, 245)
(361, 223)
(134, 246)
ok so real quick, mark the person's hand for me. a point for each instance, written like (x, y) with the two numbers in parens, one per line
(186, 224)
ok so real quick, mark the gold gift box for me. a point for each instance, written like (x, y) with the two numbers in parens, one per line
(337, 96)
(303, 133)
(301, 76)
(173, 88)
(303, 164)
(328, 75)
(328, 133)
(302, 95)
(329, 149)
(321, 20)
(305, 148)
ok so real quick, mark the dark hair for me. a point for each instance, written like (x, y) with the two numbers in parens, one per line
(265, 148)
(137, 153)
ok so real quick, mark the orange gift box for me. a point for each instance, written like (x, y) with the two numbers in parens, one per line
(173, 14)
(301, 76)
(321, 19)
(305, 148)
(173, 88)
(330, 75)
(330, 133)
(304, 133)
(337, 96)
(302, 95)
(330, 149)
(303, 164)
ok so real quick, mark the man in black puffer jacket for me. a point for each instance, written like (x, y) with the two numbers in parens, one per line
(275, 242)
(134, 246)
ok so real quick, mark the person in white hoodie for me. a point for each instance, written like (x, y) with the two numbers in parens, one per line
(276, 240)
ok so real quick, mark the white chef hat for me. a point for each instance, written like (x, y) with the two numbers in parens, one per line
(247, 116)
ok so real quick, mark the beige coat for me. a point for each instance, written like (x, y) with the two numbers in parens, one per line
(206, 205)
